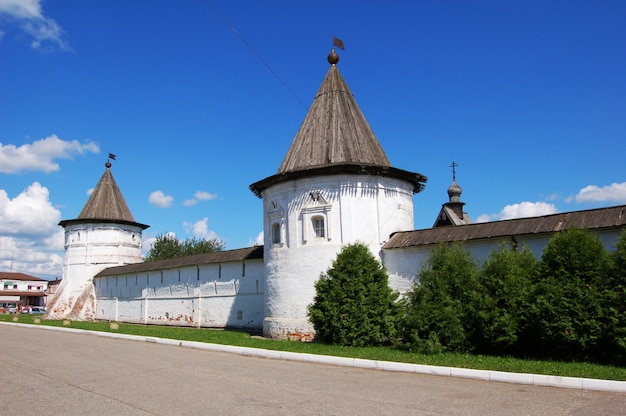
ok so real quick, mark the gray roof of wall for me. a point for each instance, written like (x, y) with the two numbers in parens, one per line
(594, 219)
(249, 253)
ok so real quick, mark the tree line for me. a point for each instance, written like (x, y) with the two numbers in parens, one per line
(568, 305)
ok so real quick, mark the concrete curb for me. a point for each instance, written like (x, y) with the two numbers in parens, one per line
(485, 375)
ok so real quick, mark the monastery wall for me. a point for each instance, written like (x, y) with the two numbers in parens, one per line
(207, 295)
(404, 264)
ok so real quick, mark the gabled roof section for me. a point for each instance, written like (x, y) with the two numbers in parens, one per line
(452, 214)
(593, 219)
(106, 204)
(334, 131)
(249, 253)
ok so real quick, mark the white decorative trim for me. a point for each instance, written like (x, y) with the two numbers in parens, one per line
(321, 208)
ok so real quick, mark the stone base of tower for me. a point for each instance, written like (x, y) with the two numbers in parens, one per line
(291, 329)
(76, 303)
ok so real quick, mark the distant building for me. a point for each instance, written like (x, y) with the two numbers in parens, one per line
(19, 290)
(334, 187)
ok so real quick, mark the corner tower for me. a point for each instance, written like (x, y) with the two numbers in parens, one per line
(334, 187)
(105, 234)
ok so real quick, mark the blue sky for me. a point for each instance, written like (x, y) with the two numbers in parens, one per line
(199, 99)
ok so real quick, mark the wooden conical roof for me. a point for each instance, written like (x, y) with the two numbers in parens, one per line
(106, 204)
(335, 138)
(334, 131)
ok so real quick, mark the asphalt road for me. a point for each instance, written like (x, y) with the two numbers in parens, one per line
(59, 373)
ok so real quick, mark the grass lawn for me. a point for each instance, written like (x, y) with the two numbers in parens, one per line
(244, 339)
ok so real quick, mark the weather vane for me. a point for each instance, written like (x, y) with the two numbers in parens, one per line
(338, 43)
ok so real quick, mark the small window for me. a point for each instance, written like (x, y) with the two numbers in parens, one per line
(276, 233)
(318, 227)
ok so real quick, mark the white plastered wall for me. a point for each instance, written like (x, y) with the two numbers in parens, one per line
(215, 295)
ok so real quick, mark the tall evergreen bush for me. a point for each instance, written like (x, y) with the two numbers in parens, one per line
(614, 341)
(439, 313)
(506, 279)
(573, 288)
(353, 304)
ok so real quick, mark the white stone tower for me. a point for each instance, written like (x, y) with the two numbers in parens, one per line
(334, 187)
(105, 234)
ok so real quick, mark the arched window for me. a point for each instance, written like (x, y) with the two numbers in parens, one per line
(276, 233)
(318, 226)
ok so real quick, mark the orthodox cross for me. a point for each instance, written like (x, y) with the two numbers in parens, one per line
(453, 166)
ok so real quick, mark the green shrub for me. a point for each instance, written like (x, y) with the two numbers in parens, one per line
(568, 315)
(439, 311)
(354, 305)
(506, 277)
(614, 339)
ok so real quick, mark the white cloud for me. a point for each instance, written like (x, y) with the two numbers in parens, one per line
(29, 213)
(160, 200)
(29, 15)
(21, 9)
(200, 229)
(616, 192)
(41, 154)
(199, 196)
(30, 238)
(204, 196)
(521, 210)
(258, 241)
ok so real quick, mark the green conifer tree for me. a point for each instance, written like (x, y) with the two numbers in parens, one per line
(353, 304)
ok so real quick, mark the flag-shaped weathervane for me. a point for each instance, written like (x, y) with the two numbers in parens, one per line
(111, 156)
(338, 43)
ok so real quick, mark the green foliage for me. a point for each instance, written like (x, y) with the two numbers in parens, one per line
(506, 277)
(354, 305)
(619, 260)
(167, 246)
(571, 305)
(568, 317)
(615, 331)
(439, 312)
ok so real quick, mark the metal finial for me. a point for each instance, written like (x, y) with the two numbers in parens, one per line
(453, 166)
(333, 58)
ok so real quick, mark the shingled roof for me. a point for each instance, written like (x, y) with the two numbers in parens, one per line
(335, 138)
(249, 253)
(106, 204)
(334, 131)
(593, 219)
